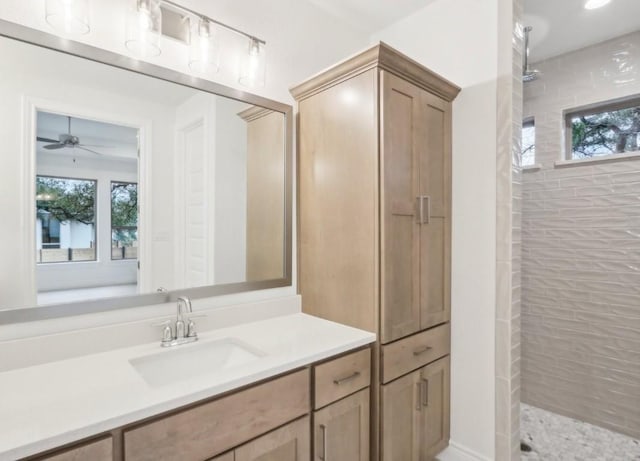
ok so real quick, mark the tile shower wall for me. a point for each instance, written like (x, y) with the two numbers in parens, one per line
(581, 250)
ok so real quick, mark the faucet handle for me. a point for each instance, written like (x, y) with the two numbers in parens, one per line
(191, 326)
(167, 333)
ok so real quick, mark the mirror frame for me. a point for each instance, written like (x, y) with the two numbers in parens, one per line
(42, 39)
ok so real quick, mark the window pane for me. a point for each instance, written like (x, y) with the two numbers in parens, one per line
(124, 220)
(605, 132)
(528, 143)
(65, 219)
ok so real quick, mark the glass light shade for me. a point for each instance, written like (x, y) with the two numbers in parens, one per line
(204, 50)
(69, 17)
(144, 28)
(594, 4)
(253, 67)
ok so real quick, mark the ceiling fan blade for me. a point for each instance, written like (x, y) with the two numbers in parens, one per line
(88, 150)
(54, 146)
(95, 145)
(47, 140)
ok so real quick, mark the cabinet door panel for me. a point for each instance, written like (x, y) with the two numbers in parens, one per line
(214, 427)
(226, 457)
(434, 273)
(289, 443)
(434, 427)
(400, 290)
(100, 450)
(341, 430)
(435, 156)
(400, 416)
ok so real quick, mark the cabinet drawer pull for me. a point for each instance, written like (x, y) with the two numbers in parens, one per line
(323, 429)
(340, 381)
(422, 350)
(425, 392)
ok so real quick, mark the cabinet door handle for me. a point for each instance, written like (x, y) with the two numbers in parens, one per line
(353, 375)
(426, 215)
(425, 392)
(419, 399)
(422, 350)
(420, 207)
(323, 429)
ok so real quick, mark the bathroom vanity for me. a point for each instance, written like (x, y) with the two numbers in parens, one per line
(293, 388)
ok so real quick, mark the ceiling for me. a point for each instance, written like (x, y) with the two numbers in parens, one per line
(560, 26)
(112, 141)
(370, 15)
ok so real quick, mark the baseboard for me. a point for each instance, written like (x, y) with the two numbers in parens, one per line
(457, 452)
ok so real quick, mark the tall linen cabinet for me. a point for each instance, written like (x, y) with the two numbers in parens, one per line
(374, 233)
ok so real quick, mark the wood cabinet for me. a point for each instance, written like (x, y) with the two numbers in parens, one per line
(374, 207)
(289, 443)
(415, 414)
(226, 457)
(96, 450)
(341, 430)
(214, 427)
(265, 194)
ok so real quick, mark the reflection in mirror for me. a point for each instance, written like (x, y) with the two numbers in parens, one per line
(135, 184)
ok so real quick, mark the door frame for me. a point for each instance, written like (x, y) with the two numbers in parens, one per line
(31, 106)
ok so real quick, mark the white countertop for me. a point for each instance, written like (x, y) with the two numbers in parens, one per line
(45, 406)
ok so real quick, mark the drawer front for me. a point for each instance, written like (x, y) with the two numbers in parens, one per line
(410, 353)
(341, 377)
(212, 428)
(99, 450)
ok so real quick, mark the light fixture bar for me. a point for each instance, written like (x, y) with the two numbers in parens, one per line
(207, 18)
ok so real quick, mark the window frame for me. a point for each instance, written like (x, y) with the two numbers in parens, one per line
(610, 105)
(111, 183)
(95, 215)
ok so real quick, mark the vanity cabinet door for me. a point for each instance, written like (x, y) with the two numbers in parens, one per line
(434, 417)
(341, 430)
(401, 419)
(100, 450)
(289, 443)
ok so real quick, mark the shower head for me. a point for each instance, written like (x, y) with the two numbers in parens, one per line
(528, 74)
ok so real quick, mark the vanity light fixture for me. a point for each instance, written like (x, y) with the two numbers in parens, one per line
(144, 28)
(69, 17)
(253, 67)
(593, 4)
(204, 48)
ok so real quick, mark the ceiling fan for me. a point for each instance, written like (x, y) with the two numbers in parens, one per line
(68, 140)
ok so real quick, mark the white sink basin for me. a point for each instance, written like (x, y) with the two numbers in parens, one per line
(187, 361)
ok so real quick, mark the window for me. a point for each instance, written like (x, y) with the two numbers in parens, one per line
(605, 130)
(124, 220)
(65, 219)
(528, 142)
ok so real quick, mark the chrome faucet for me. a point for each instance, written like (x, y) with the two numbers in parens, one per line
(184, 327)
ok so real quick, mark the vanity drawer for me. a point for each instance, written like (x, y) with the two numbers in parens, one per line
(341, 377)
(405, 355)
(97, 450)
(206, 430)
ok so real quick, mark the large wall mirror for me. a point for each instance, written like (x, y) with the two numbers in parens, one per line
(126, 184)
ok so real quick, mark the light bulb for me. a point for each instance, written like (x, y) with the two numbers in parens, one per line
(69, 17)
(203, 49)
(252, 73)
(144, 28)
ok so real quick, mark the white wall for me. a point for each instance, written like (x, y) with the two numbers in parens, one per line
(231, 192)
(458, 39)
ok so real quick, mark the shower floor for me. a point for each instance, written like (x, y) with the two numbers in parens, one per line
(557, 438)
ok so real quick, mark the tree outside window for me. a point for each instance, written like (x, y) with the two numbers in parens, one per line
(66, 219)
(604, 131)
(124, 220)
